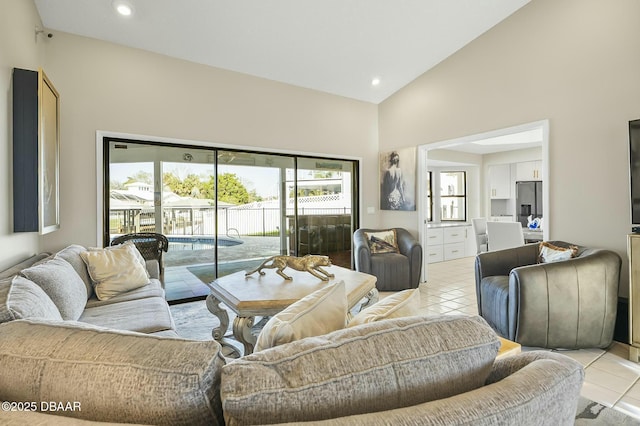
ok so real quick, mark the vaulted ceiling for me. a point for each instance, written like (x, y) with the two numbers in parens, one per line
(334, 46)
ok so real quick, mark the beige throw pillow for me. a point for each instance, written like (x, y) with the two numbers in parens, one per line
(318, 313)
(382, 241)
(137, 253)
(551, 253)
(115, 270)
(403, 304)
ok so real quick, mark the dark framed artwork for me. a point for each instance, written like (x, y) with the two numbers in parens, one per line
(398, 179)
(36, 153)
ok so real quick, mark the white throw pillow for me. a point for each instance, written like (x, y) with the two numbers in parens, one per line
(403, 304)
(115, 270)
(137, 253)
(318, 313)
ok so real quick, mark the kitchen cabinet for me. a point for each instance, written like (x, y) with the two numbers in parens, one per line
(449, 242)
(529, 170)
(434, 251)
(453, 242)
(500, 181)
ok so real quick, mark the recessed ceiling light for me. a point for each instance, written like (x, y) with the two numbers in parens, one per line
(123, 8)
(375, 81)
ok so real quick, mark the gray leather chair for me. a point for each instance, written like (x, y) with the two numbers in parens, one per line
(570, 304)
(394, 271)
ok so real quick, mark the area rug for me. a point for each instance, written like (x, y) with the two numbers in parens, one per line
(194, 321)
(593, 413)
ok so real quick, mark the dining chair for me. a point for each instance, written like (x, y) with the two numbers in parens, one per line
(504, 235)
(479, 225)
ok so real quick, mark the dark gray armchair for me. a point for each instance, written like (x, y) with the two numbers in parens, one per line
(395, 271)
(569, 304)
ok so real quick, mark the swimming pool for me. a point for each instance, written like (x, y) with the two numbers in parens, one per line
(189, 242)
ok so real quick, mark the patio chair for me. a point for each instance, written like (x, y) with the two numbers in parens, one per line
(149, 244)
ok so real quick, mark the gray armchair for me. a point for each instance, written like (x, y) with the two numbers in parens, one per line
(394, 271)
(570, 304)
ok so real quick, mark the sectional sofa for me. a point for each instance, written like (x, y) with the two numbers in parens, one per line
(119, 360)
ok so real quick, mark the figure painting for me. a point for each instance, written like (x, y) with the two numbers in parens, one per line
(398, 179)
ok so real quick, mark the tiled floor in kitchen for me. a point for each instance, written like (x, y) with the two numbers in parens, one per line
(611, 379)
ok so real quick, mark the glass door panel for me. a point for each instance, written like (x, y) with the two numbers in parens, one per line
(252, 209)
(324, 193)
(167, 190)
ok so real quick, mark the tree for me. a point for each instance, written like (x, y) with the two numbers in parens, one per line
(190, 186)
(231, 190)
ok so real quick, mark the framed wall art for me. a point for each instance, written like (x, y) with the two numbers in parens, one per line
(398, 179)
(36, 153)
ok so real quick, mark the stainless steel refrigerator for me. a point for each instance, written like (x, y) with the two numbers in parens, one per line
(528, 200)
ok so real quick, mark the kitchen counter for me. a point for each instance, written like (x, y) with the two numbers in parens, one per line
(531, 236)
(437, 225)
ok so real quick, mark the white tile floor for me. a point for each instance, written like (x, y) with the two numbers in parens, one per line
(611, 379)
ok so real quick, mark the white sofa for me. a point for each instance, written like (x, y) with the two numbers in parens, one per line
(143, 309)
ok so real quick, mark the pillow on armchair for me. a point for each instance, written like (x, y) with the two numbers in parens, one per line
(552, 253)
(383, 241)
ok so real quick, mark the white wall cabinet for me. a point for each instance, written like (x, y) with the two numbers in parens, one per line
(500, 181)
(529, 170)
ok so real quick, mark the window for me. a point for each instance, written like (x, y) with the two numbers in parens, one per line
(453, 196)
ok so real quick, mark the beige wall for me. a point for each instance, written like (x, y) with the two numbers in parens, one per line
(108, 87)
(18, 49)
(574, 62)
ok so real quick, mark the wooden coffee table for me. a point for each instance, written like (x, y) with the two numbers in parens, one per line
(266, 295)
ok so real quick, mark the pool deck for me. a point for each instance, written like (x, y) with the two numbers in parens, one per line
(180, 283)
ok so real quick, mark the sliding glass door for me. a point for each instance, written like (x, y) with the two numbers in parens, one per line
(225, 211)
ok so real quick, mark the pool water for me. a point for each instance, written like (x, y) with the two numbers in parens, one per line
(200, 243)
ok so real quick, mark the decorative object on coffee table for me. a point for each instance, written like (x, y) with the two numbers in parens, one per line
(266, 295)
(310, 263)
